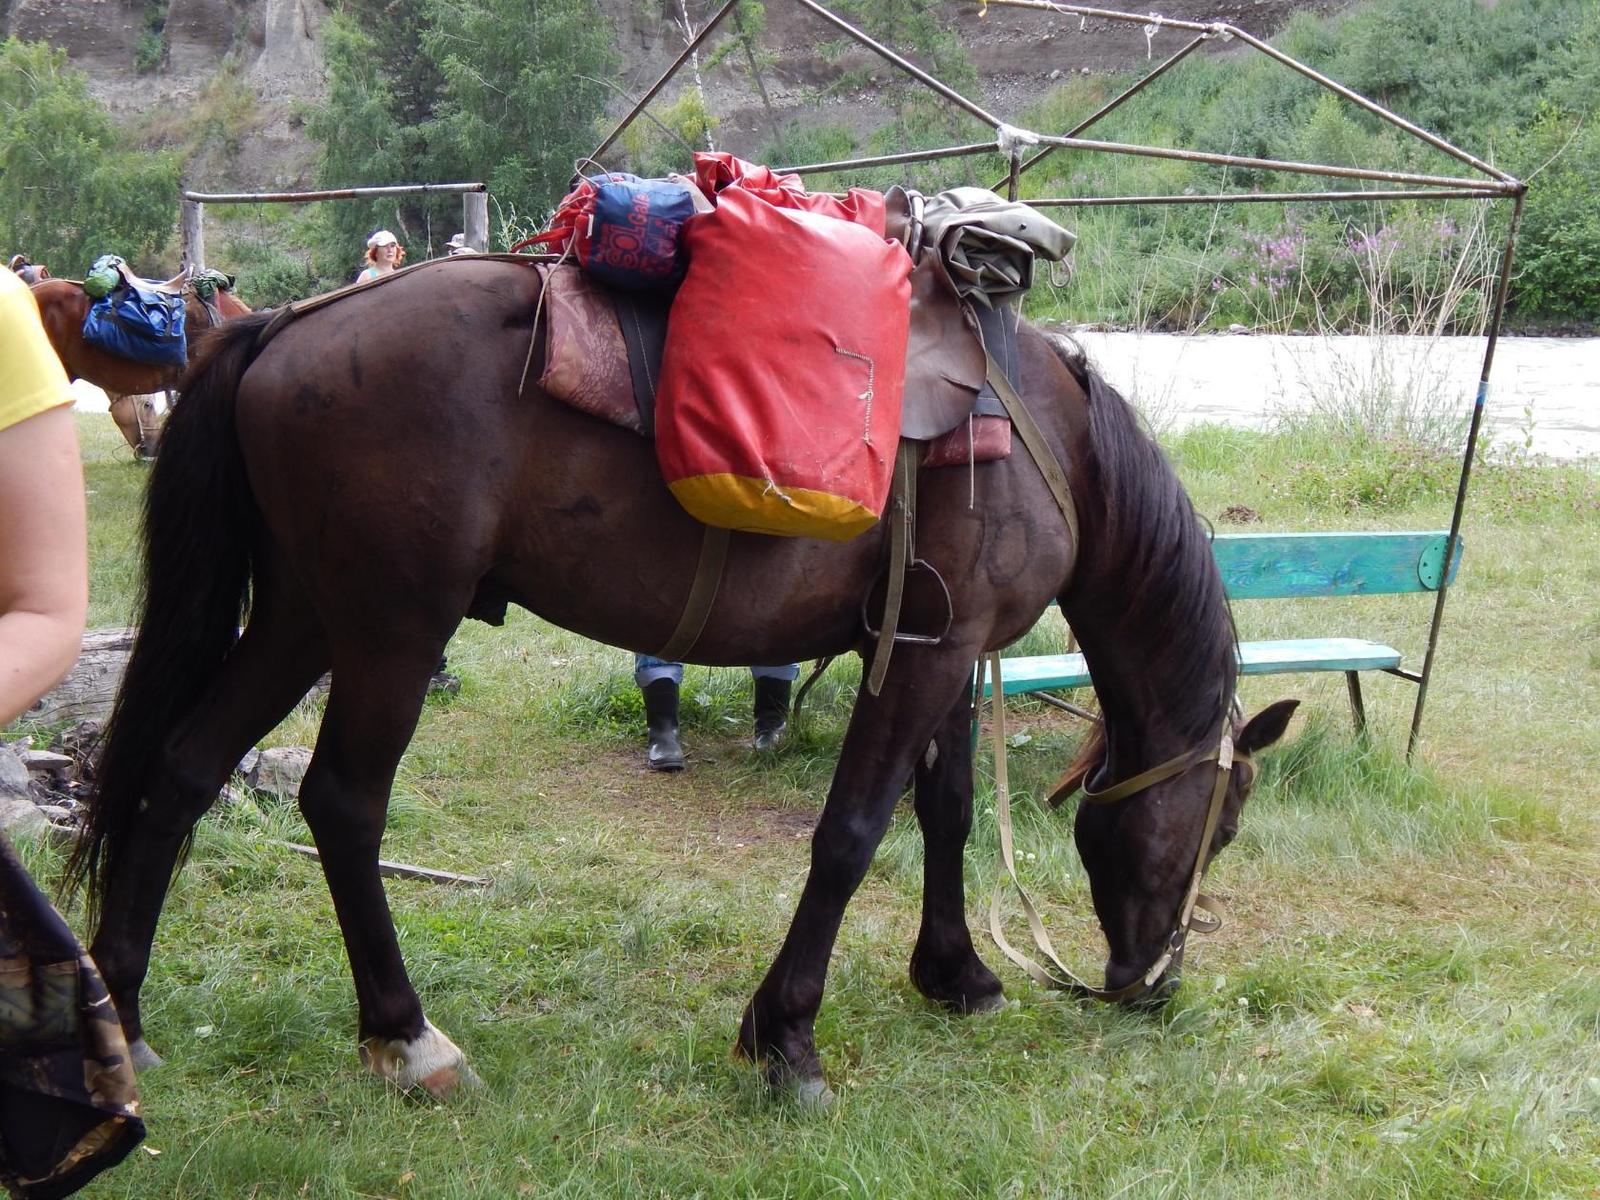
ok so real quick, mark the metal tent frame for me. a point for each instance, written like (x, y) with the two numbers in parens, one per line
(1488, 182)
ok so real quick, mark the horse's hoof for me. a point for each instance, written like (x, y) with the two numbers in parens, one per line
(809, 1093)
(993, 1002)
(814, 1095)
(142, 1057)
(430, 1061)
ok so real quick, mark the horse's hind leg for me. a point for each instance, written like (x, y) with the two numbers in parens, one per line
(279, 657)
(944, 965)
(886, 734)
(378, 690)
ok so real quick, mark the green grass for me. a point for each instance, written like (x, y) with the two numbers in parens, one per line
(1402, 1003)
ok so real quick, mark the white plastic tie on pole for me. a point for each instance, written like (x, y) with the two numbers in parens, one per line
(1219, 30)
(1012, 141)
(1150, 31)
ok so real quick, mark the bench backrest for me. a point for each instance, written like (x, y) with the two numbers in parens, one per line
(1262, 566)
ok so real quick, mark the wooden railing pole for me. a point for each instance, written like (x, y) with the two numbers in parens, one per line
(475, 219)
(191, 227)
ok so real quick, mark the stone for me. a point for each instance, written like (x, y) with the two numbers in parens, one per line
(280, 770)
(13, 775)
(46, 762)
(20, 815)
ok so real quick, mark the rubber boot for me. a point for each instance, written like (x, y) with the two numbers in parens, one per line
(664, 753)
(772, 712)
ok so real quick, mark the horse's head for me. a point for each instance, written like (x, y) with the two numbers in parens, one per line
(1140, 840)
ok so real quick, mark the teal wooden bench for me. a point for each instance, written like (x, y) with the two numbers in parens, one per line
(1267, 566)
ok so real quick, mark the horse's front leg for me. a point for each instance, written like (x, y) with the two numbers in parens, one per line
(886, 734)
(944, 966)
(372, 711)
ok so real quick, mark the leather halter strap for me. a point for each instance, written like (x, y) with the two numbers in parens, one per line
(1199, 912)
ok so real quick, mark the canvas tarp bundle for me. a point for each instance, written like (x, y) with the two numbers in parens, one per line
(779, 402)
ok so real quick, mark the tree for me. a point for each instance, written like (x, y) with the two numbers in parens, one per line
(68, 191)
(523, 89)
(506, 91)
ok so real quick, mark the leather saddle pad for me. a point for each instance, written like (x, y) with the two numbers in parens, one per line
(604, 347)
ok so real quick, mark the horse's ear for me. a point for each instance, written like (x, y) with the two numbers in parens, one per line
(1266, 727)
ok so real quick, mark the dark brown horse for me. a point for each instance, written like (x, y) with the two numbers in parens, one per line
(371, 476)
(63, 304)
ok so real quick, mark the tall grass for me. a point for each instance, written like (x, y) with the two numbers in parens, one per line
(1398, 1006)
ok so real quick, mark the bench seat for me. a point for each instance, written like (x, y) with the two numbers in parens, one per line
(1044, 672)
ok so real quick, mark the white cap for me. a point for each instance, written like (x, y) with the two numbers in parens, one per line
(382, 238)
(459, 241)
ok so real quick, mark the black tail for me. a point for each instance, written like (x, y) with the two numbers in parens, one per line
(199, 520)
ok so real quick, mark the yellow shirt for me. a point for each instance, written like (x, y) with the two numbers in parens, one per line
(31, 377)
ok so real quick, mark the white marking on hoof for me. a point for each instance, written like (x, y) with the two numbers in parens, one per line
(430, 1061)
(141, 1056)
(813, 1095)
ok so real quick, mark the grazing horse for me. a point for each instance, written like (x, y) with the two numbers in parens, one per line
(360, 485)
(63, 304)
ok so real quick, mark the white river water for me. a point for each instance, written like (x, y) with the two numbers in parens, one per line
(1543, 389)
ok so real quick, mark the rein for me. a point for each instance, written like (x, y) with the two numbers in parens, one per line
(1199, 912)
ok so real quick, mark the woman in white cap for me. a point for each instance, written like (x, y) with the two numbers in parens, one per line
(384, 254)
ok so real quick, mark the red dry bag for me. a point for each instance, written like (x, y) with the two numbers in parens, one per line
(778, 409)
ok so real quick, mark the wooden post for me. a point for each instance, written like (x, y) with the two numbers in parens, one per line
(475, 219)
(192, 231)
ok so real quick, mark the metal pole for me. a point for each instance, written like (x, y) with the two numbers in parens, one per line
(889, 160)
(1274, 164)
(1014, 179)
(1222, 28)
(1263, 197)
(688, 52)
(1116, 102)
(1375, 109)
(333, 194)
(1112, 14)
(905, 64)
(1502, 286)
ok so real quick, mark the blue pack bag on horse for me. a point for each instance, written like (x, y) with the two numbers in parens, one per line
(137, 322)
(623, 230)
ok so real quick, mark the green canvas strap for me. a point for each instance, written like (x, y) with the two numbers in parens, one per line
(702, 592)
(902, 517)
(1044, 458)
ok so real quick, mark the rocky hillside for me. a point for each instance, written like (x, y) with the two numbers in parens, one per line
(273, 48)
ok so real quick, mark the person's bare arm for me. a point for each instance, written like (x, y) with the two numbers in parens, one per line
(44, 586)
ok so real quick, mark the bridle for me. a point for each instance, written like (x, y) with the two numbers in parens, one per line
(1198, 913)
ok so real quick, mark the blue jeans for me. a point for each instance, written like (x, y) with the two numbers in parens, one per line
(646, 670)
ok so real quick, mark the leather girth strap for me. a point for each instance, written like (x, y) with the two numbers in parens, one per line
(902, 524)
(702, 592)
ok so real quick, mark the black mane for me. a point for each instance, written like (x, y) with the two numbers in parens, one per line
(1151, 559)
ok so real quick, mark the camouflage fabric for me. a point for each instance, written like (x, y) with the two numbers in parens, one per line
(68, 1104)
